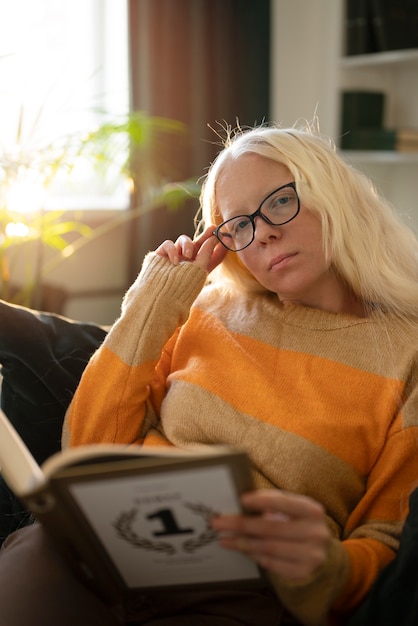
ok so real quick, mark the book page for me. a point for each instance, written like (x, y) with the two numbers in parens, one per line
(155, 527)
(17, 465)
(108, 452)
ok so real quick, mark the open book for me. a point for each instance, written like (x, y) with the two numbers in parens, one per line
(133, 517)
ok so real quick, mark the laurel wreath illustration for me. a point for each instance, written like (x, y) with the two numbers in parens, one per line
(124, 528)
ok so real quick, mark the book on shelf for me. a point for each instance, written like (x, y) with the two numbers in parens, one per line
(394, 24)
(380, 25)
(358, 33)
(399, 140)
(378, 31)
(132, 517)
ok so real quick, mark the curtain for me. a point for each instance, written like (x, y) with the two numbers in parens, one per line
(205, 63)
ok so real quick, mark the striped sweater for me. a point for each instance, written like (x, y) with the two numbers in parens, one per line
(325, 405)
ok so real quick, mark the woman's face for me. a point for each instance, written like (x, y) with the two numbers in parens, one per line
(289, 259)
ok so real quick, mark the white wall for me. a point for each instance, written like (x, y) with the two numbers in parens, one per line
(305, 49)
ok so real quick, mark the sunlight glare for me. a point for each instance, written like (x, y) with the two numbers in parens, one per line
(16, 229)
(25, 195)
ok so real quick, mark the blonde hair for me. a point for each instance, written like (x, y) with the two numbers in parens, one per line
(369, 246)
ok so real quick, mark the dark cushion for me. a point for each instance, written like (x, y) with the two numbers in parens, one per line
(42, 357)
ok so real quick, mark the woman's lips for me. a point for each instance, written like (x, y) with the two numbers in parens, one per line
(281, 261)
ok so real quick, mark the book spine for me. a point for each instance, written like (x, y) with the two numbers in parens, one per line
(377, 23)
(395, 23)
(407, 135)
(407, 146)
(356, 27)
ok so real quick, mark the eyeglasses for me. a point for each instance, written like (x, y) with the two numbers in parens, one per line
(279, 207)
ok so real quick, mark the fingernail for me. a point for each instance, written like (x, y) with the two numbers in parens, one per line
(277, 517)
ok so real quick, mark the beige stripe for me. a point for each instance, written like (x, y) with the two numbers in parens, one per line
(282, 459)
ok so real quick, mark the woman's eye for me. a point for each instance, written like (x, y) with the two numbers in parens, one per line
(281, 200)
(240, 225)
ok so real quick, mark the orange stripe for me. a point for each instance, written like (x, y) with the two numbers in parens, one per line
(113, 411)
(154, 438)
(394, 475)
(362, 551)
(298, 392)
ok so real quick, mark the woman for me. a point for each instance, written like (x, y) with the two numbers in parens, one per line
(300, 349)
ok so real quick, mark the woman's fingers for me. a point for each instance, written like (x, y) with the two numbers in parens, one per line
(288, 534)
(180, 250)
(283, 502)
(204, 251)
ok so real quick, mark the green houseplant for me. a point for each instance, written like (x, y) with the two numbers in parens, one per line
(129, 147)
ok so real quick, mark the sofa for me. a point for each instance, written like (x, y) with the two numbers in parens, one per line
(42, 356)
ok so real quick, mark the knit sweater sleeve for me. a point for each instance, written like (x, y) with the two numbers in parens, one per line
(115, 410)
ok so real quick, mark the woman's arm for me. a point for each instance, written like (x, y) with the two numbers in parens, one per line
(112, 401)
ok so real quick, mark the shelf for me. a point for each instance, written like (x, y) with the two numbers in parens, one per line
(380, 156)
(392, 57)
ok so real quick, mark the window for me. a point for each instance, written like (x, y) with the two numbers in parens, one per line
(63, 70)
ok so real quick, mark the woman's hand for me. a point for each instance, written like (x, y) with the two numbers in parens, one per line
(288, 534)
(205, 250)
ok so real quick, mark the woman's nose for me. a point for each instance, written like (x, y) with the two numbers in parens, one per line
(264, 231)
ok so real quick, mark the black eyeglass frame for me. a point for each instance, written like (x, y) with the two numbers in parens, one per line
(258, 213)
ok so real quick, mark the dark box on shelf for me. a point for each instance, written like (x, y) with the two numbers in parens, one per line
(362, 109)
(369, 139)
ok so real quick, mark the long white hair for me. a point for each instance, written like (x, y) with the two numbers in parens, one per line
(370, 247)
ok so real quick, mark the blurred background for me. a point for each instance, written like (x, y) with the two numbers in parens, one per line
(112, 110)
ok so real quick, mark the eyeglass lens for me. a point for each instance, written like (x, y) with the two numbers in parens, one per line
(279, 207)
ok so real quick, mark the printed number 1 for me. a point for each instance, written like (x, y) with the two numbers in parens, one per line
(170, 526)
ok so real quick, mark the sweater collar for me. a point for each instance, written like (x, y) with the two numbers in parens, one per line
(317, 319)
